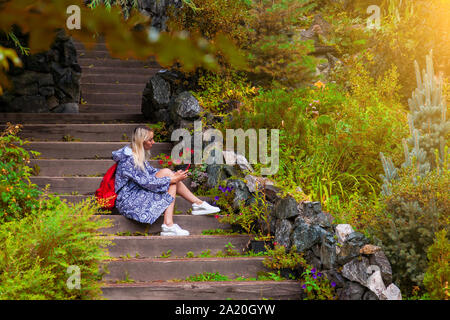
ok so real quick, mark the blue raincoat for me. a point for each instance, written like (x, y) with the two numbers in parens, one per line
(141, 196)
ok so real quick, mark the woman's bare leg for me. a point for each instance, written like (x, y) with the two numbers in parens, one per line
(168, 214)
(183, 191)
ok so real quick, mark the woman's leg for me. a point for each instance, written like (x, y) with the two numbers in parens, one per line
(183, 191)
(168, 214)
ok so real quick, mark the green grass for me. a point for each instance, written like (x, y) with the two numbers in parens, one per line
(216, 276)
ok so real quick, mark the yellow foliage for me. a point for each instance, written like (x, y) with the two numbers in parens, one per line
(41, 19)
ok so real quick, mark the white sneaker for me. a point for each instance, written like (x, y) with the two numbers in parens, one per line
(174, 230)
(204, 208)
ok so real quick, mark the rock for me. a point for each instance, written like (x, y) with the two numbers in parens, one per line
(67, 108)
(305, 236)
(369, 249)
(47, 91)
(346, 253)
(285, 208)
(375, 282)
(157, 11)
(335, 277)
(217, 173)
(328, 251)
(369, 295)
(273, 193)
(312, 214)
(185, 106)
(31, 104)
(342, 232)
(357, 239)
(46, 80)
(283, 229)
(356, 270)
(311, 259)
(310, 209)
(256, 183)
(379, 259)
(351, 291)
(392, 292)
(232, 158)
(156, 95)
(241, 193)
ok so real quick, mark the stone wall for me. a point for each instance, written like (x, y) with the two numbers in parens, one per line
(47, 82)
(360, 270)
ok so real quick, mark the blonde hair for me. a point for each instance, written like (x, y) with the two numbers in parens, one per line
(140, 155)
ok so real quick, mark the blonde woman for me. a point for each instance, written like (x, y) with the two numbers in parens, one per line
(144, 192)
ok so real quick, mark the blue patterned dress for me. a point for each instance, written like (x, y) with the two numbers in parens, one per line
(142, 196)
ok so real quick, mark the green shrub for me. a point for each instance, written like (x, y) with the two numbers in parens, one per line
(437, 277)
(415, 210)
(18, 195)
(36, 251)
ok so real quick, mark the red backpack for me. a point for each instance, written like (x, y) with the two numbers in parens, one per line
(106, 195)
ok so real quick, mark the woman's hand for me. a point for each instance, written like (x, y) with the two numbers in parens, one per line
(178, 176)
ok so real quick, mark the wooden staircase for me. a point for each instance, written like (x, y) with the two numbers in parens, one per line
(75, 154)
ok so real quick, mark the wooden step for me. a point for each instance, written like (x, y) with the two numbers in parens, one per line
(122, 224)
(63, 118)
(85, 132)
(112, 88)
(86, 150)
(113, 98)
(148, 269)
(93, 54)
(91, 69)
(117, 63)
(117, 78)
(108, 108)
(214, 290)
(194, 224)
(155, 246)
(79, 167)
(94, 45)
(67, 185)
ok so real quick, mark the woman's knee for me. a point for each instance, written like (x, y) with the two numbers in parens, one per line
(164, 173)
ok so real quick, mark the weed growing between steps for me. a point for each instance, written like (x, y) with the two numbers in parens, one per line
(230, 251)
(216, 276)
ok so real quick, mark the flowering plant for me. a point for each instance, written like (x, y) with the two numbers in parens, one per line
(167, 162)
(224, 199)
(198, 176)
(317, 286)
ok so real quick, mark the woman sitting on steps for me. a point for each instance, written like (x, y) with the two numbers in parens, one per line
(144, 192)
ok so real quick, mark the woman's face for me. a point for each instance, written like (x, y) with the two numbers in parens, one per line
(149, 143)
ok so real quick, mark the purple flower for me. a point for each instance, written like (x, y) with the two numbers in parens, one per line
(216, 198)
(304, 286)
(333, 284)
(314, 276)
(313, 270)
(319, 274)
